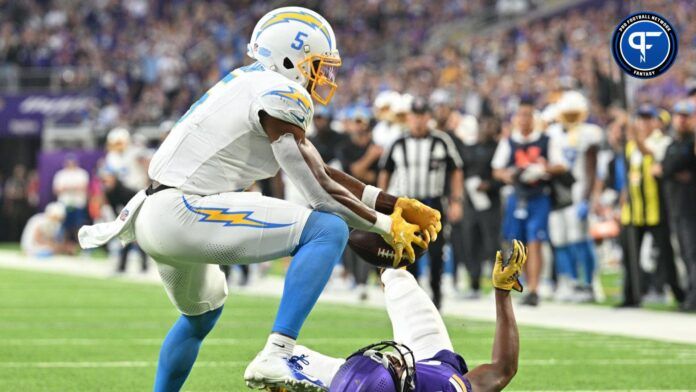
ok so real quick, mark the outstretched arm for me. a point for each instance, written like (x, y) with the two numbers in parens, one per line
(427, 219)
(304, 166)
(496, 375)
(385, 202)
(590, 170)
(277, 130)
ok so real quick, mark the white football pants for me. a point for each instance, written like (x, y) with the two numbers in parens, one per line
(189, 236)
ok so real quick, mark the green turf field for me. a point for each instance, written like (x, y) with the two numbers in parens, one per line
(62, 333)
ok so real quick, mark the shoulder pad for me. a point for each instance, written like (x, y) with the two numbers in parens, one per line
(288, 102)
(593, 133)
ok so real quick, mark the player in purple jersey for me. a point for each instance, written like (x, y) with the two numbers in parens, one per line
(421, 356)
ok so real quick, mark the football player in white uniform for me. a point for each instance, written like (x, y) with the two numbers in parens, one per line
(386, 130)
(196, 216)
(569, 232)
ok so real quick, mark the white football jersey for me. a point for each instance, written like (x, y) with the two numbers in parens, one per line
(384, 134)
(575, 142)
(219, 145)
(39, 225)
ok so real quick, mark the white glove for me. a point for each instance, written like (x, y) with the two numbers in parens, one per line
(533, 173)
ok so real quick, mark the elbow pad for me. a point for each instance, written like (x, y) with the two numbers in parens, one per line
(290, 159)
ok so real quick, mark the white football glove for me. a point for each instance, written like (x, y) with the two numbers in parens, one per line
(533, 173)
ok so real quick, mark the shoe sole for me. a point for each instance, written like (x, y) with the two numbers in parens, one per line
(284, 385)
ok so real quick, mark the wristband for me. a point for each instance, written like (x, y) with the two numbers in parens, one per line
(382, 225)
(369, 196)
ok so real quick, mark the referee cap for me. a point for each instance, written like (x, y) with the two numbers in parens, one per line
(419, 106)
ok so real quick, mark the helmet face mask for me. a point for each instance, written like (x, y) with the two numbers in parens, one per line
(572, 108)
(373, 369)
(320, 72)
(571, 118)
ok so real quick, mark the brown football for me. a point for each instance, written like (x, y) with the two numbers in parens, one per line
(372, 248)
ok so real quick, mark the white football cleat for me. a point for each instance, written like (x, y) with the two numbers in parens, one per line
(274, 373)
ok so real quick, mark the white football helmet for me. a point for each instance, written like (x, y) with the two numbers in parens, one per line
(55, 211)
(299, 44)
(386, 99)
(572, 108)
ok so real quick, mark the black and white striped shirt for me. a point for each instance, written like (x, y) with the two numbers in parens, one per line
(419, 167)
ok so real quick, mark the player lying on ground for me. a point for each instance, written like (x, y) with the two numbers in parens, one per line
(422, 357)
(196, 216)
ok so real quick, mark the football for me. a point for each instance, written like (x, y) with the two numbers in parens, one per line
(372, 248)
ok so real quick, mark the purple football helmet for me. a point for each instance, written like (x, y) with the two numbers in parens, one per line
(371, 370)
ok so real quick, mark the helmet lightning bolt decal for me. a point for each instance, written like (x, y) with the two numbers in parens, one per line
(231, 218)
(302, 17)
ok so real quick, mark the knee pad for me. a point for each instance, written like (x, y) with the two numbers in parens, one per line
(327, 227)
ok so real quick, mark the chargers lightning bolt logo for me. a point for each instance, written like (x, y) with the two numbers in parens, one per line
(296, 96)
(231, 218)
(301, 17)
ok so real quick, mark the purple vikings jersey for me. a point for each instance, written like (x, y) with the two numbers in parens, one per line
(444, 372)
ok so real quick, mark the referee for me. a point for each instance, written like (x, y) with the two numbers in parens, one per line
(421, 165)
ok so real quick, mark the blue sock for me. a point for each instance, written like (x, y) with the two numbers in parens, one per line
(575, 258)
(564, 262)
(587, 257)
(180, 349)
(321, 245)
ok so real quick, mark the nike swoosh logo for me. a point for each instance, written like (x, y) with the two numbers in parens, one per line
(299, 118)
(279, 345)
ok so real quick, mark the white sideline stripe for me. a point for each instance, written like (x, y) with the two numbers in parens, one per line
(114, 364)
(595, 362)
(677, 354)
(75, 342)
(636, 323)
(158, 341)
(523, 363)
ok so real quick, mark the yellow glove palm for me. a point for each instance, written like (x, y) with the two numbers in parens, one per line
(506, 276)
(403, 236)
(427, 219)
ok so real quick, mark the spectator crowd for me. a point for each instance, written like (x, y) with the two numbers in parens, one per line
(496, 101)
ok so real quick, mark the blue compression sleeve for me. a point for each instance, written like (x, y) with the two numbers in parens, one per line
(180, 349)
(586, 256)
(564, 262)
(321, 245)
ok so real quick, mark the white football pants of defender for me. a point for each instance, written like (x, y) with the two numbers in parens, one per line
(566, 227)
(415, 323)
(190, 235)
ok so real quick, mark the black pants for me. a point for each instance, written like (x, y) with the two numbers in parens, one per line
(435, 253)
(635, 279)
(685, 228)
(227, 270)
(123, 257)
(356, 266)
(17, 213)
(474, 240)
